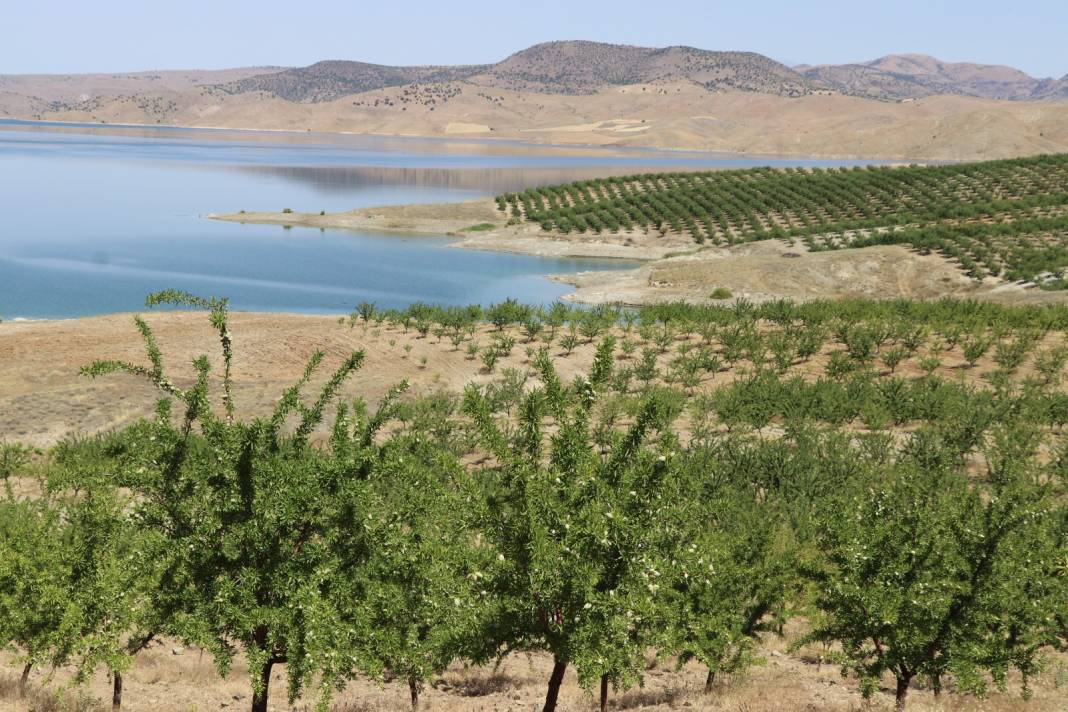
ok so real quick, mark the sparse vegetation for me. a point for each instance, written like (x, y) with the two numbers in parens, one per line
(480, 227)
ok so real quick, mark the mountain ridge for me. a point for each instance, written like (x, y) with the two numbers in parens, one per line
(913, 76)
(896, 107)
(570, 67)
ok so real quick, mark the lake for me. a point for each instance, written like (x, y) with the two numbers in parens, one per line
(95, 217)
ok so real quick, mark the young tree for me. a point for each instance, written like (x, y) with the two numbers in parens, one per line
(33, 581)
(737, 573)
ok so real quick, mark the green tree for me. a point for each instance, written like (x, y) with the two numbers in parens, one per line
(583, 535)
(914, 577)
(250, 512)
(422, 594)
(738, 571)
(34, 591)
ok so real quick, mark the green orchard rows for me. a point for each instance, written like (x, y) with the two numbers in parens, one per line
(852, 470)
(998, 218)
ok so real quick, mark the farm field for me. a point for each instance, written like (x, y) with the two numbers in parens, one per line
(998, 220)
(776, 492)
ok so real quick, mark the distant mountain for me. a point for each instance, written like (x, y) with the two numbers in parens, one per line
(913, 76)
(577, 67)
(570, 68)
(597, 94)
(1053, 89)
(333, 79)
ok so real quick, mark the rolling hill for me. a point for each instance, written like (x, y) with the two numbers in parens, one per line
(912, 76)
(569, 68)
(899, 107)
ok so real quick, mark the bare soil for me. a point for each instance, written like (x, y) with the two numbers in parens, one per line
(170, 678)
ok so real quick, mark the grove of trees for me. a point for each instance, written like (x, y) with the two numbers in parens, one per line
(713, 474)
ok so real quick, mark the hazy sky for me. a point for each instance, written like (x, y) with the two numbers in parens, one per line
(119, 35)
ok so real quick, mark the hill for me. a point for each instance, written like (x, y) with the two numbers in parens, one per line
(570, 68)
(912, 76)
(587, 67)
(599, 94)
(58, 92)
(332, 79)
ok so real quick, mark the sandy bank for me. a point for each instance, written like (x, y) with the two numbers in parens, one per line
(672, 266)
(491, 231)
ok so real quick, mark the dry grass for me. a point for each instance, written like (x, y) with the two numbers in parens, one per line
(787, 682)
(43, 699)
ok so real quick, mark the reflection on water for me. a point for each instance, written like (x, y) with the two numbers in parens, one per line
(97, 217)
(484, 180)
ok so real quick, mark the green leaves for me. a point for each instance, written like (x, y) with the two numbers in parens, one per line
(921, 578)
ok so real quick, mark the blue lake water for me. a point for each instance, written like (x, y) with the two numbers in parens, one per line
(96, 217)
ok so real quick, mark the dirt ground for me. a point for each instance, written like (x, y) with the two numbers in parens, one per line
(451, 219)
(170, 678)
(774, 269)
(43, 398)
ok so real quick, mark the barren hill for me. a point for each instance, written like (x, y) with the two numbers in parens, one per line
(1053, 89)
(594, 93)
(586, 67)
(569, 68)
(60, 91)
(911, 76)
(332, 79)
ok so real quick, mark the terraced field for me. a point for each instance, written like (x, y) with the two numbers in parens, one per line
(1001, 219)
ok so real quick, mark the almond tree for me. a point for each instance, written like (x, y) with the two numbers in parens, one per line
(918, 578)
(247, 511)
(737, 572)
(33, 582)
(582, 534)
(422, 595)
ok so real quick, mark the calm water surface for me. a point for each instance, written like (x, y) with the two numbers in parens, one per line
(95, 217)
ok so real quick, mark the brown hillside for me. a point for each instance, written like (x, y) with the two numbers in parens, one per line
(912, 76)
(569, 68)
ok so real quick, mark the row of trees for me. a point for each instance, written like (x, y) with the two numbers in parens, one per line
(592, 534)
(1032, 249)
(732, 206)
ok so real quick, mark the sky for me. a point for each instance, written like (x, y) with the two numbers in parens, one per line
(68, 36)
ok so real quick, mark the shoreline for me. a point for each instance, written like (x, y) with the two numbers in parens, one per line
(481, 138)
(454, 220)
(672, 267)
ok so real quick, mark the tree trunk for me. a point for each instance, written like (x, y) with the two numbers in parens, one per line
(116, 691)
(413, 688)
(936, 684)
(259, 699)
(604, 693)
(902, 693)
(555, 680)
(24, 680)
(710, 680)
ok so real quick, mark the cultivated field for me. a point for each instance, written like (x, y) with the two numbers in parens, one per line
(709, 464)
(996, 219)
